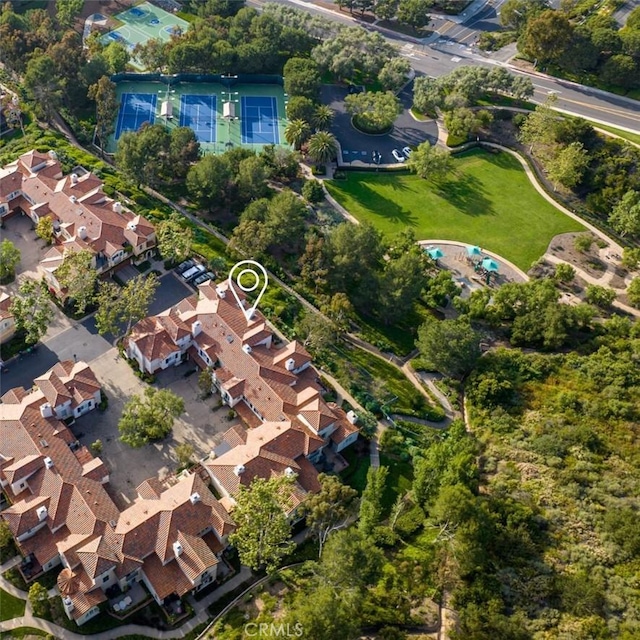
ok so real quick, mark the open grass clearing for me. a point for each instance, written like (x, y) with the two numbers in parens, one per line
(488, 201)
(10, 606)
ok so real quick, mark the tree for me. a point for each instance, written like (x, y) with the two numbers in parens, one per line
(515, 13)
(340, 311)
(430, 162)
(427, 94)
(373, 111)
(42, 85)
(582, 242)
(564, 272)
(602, 297)
(394, 74)
(31, 310)
(316, 332)
(104, 95)
(620, 70)
(625, 217)
(9, 260)
(300, 108)
(96, 447)
(451, 346)
(633, 292)
(546, 36)
(539, 128)
(39, 600)
(184, 453)
(205, 382)
(251, 179)
(124, 306)
(174, 238)
(323, 147)
(77, 278)
(149, 417)
(330, 509)
(117, 57)
(297, 132)
(568, 165)
(312, 191)
(67, 10)
(184, 151)
(263, 534)
(463, 121)
(414, 12)
(400, 285)
(12, 110)
(44, 228)
(631, 258)
(322, 117)
(385, 9)
(208, 180)
(371, 507)
(302, 78)
(6, 540)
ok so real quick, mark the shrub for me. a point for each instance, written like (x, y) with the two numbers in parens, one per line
(312, 191)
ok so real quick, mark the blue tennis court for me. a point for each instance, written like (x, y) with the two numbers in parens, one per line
(259, 120)
(199, 113)
(135, 109)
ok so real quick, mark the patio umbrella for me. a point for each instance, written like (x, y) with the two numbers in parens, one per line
(474, 251)
(67, 582)
(490, 265)
(435, 253)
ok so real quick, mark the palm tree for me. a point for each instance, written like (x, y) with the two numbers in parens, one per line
(297, 132)
(322, 117)
(323, 147)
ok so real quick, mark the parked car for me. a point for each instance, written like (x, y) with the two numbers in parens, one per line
(203, 277)
(397, 155)
(183, 266)
(407, 152)
(193, 272)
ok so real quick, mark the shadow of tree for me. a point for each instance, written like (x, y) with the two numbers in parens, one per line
(385, 207)
(466, 193)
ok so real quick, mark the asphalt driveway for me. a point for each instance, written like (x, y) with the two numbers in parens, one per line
(358, 147)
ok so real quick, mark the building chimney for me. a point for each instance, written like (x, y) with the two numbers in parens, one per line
(46, 411)
(221, 293)
(352, 417)
(117, 207)
(289, 472)
(177, 548)
(238, 469)
(42, 513)
(246, 348)
(196, 328)
(53, 155)
(73, 199)
(290, 364)
(82, 233)
(131, 226)
(74, 178)
(48, 462)
(195, 498)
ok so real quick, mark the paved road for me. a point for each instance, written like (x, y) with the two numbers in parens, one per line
(438, 56)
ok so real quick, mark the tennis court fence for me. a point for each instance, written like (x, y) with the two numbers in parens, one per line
(241, 78)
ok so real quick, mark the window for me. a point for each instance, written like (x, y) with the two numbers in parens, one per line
(105, 579)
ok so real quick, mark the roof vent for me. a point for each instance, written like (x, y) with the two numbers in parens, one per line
(48, 462)
(246, 348)
(229, 338)
(195, 498)
(289, 472)
(352, 417)
(41, 513)
(238, 469)
(290, 364)
(177, 548)
(117, 207)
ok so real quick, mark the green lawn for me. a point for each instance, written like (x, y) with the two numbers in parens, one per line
(10, 606)
(488, 201)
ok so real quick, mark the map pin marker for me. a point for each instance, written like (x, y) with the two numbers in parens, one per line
(253, 272)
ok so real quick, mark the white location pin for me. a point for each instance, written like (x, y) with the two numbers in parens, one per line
(253, 272)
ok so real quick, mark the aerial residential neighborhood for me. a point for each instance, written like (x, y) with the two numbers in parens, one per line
(320, 319)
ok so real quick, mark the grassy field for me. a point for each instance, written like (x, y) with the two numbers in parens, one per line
(488, 201)
(10, 606)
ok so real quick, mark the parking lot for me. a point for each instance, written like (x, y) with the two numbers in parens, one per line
(358, 147)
